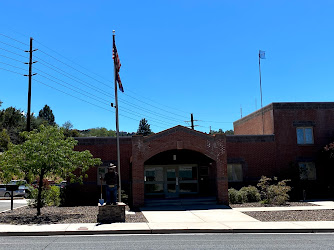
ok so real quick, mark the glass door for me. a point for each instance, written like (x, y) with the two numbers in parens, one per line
(172, 182)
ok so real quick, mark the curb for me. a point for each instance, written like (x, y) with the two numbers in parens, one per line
(168, 231)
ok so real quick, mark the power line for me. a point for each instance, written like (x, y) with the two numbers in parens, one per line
(11, 46)
(86, 101)
(103, 92)
(12, 66)
(12, 71)
(14, 53)
(99, 76)
(11, 58)
(13, 39)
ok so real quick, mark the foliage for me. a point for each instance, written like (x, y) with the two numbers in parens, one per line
(4, 140)
(252, 193)
(47, 115)
(50, 196)
(44, 153)
(69, 131)
(274, 193)
(245, 194)
(99, 132)
(14, 121)
(236, 197)
(144, 128)
(220, 131)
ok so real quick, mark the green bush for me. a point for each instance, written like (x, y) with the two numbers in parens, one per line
(50, 197)
(252, 193)
(274, 193)
(236, 197)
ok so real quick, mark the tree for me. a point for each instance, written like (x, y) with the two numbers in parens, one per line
(68, 131)
(47, 115)
(4, 140)
(45, 153)
(220, 131)
(14, 121)
(98, 132)
(144, 128)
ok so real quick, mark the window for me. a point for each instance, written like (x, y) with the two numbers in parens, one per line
(234, 172)
(305, 135)
(307, 171)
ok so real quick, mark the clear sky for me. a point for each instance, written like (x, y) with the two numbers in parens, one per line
(178, 57)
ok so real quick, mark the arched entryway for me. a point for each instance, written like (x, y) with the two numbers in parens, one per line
(179, 155)
(178, 174)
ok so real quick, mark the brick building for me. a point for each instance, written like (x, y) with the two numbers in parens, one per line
(281, 139)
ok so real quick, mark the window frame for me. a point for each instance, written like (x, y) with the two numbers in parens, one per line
(232, 166)
(304, 142)
(307, 166)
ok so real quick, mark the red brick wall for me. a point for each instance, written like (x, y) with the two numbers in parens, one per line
(105, 148)
(255, 153)
(252, 124)
(288, 118)
(179, 137)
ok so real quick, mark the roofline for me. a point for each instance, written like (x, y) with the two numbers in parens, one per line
(285, 105)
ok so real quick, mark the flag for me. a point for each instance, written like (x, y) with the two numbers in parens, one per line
(262, 54)
(118, 65)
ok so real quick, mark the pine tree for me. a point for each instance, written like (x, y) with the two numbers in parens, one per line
(47, 115)
(144, 128)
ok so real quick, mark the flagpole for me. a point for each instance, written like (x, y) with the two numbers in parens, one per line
(117, 124)
(260, 77)
(261, 92)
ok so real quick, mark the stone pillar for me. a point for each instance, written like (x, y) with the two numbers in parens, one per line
(111, 213)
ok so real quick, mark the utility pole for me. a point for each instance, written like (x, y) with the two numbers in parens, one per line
(29, 86)
(192, 121)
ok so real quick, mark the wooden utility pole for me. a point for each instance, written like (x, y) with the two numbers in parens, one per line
(192, 121)
(29, 85)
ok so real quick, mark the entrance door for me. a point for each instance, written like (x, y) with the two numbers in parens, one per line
(172, 182)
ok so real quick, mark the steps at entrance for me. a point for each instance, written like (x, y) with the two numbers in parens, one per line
(180, 202)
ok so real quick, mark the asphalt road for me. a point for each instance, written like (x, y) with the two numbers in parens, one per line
(5, 204)
(180, 241)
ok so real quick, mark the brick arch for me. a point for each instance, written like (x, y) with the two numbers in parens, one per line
(179, 137)
(171, 146)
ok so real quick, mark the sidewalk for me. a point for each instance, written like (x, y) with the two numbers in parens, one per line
(219, 219)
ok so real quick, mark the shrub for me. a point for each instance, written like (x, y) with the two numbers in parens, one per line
(236, 197)
(274, 193)
(50, 197)
(252, 194)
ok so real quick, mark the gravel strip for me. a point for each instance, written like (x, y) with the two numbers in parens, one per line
(257, 204)
(300, 215)
(60, 215)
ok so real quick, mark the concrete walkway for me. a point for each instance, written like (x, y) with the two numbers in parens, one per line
(200, 219)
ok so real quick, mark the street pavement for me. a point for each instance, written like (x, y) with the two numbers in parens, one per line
(201, 219)
(17, 202)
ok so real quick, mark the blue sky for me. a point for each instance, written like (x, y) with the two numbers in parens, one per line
(178, 57)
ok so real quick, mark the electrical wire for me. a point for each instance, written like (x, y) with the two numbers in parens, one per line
(11, 71)
(107, 84)
(13, 39)
(12, 66)
(14, 53)
(104, 92)
(12, 46)
(11, 58)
